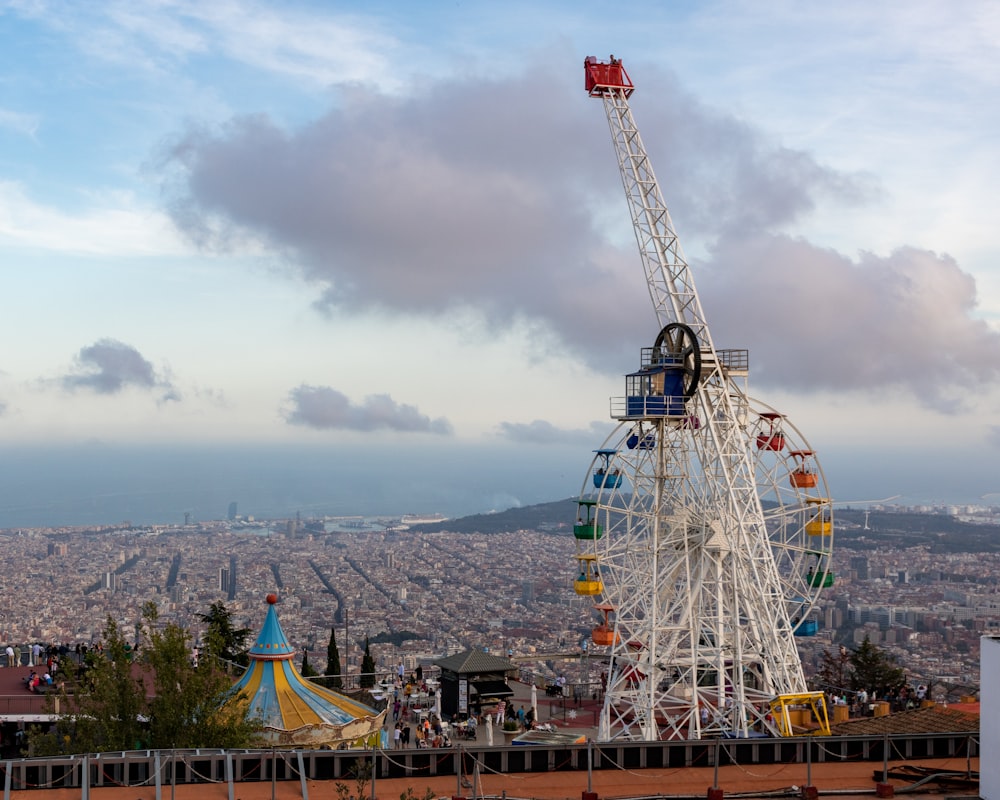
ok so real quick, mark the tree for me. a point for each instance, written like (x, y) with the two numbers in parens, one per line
(107, 704)
(307, 670)
(333, 681)
(874, 670)
(223, 639)
(164, 701)
(367, 679)
(191, 706)
(835, 670)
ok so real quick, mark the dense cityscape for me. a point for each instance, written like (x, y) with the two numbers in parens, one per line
(419, 595)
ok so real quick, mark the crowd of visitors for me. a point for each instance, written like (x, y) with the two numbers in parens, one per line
(48, 663)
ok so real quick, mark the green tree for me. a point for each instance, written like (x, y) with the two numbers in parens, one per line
(108, 702)
(367, 679)
(333, 681)
(835, 670)
(307, 670)
(162, 702)
(223, 639)
(874, 670)
(191, 706)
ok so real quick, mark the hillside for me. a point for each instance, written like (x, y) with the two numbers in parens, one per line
(940, 532)
(540, 517)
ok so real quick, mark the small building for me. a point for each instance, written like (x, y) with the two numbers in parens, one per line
(472, 682)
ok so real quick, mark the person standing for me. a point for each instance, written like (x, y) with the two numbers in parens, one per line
(10, 656)
(36, 654)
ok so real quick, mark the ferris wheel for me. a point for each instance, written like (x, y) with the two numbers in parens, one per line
(704, 531)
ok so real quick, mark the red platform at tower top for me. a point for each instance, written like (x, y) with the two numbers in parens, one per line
(603, 76)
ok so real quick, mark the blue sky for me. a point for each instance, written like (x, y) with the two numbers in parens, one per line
(398, 228)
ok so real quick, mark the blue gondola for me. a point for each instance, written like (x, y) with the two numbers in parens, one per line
(606, 476)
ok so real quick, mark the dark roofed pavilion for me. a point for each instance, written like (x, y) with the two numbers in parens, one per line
(471, 679)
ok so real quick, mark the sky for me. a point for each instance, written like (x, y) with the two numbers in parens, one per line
(376, 256)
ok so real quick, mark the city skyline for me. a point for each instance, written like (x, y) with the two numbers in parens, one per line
(380, 256)
(914, 600)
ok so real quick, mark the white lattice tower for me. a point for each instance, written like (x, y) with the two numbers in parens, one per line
(703, 627)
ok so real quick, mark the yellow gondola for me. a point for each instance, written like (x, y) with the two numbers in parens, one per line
(822, 523)
(589, 581)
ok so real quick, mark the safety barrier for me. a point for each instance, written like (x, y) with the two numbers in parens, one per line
(167, 767)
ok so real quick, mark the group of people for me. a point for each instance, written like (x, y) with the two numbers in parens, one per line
(429, 733)
(902, 698)
(38, 683)
(525, 719)
(15, 655)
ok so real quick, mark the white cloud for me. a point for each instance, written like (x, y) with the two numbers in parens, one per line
(19, 122)
(114, 224)
(297, 43)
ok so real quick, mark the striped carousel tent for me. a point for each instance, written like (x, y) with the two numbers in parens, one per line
(296, 712)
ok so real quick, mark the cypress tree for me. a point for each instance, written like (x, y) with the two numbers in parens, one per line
(333, 681)
(307, 670)
(367, 668)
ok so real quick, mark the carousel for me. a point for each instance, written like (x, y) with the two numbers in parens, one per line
(294, 711)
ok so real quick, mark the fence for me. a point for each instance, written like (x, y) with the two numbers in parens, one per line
(168, 767)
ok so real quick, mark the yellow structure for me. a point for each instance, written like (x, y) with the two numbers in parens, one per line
(589, 582)
(821, 523)
(788, 711)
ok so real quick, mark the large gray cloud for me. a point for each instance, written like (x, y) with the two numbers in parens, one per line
(496, 195)
(109, 366)
(816, 320)
(323, 407)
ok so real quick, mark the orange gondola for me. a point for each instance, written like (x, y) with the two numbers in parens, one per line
(804, 475)
(604, 634)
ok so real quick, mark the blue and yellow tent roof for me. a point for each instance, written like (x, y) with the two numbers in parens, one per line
(294, 711)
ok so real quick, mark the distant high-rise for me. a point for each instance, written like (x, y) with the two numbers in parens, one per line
(860, 566)
(224, 579)
(232, 511)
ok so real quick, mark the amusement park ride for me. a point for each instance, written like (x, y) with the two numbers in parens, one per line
(705, 526)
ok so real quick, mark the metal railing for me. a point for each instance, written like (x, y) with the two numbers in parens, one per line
(169, 767)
